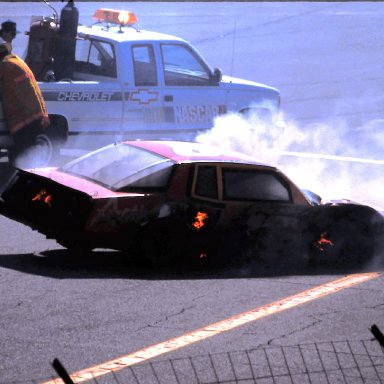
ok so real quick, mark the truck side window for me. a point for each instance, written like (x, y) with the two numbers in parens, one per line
(94, 57)
(144, 65)
(183, 67)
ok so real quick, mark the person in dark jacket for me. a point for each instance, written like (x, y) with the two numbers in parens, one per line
(23, 105)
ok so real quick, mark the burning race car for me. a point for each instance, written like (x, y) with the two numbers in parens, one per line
(166, 202)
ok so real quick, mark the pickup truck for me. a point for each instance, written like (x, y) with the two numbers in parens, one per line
(112, 81)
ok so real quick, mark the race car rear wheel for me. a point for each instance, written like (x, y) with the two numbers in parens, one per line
(163, 243)
(76, 246)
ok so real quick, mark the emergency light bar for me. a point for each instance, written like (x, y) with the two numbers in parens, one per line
(115, 17)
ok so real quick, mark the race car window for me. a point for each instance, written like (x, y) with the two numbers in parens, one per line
(92, 58)
(154, 177)
(206, 182)
(123, 167)
(241, 184)
(183, 67)
(144, 65)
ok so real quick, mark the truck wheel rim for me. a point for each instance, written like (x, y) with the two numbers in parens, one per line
(44, 146)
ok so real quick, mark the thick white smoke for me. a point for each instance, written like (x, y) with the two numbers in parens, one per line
(328, 158)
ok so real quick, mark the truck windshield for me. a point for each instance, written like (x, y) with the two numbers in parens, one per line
(183, 67)
(122, 167)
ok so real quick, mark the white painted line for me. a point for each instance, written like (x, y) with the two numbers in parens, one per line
(330, 157)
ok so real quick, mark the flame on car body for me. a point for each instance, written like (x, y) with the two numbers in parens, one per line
(44, 196)
(199, 220)
(323, 242)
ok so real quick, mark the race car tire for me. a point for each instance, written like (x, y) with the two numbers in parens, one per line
(78, 248)
(344, 236)
(163, 243)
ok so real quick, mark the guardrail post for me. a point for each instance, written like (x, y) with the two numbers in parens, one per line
(61, 371)
(378, 334)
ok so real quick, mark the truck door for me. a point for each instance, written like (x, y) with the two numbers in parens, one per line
(143, 107)
(192, 97)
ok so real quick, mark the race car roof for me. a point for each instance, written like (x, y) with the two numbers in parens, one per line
(180, 152)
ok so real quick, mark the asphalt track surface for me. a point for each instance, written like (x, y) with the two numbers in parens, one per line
(102, 311)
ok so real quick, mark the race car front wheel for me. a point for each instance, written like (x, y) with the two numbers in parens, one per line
(344, 237)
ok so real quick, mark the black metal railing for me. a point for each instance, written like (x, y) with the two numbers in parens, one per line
(340, 362)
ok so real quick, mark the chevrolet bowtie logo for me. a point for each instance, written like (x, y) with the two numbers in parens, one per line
(144, 96)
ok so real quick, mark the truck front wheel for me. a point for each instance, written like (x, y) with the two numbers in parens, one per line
(260, 115)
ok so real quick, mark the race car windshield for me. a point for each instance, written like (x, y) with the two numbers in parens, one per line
(122, 167)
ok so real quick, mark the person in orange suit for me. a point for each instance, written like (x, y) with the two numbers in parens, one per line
(23, 105)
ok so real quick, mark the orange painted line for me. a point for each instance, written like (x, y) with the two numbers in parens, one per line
(219, 327)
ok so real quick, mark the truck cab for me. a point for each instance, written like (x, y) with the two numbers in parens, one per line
(126, 83)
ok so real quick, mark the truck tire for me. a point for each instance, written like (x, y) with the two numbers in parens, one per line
(45, 147)
(38, 154)
(57, 133)
(263, 115)
(44, 150)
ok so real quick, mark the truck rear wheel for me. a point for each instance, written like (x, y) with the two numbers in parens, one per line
(43, 149)
(40, 153)
(57, 134)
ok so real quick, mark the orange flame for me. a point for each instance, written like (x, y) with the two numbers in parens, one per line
(44, 196)
(199, 220)
(323, 242)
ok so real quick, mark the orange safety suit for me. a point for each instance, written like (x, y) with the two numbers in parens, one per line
(22, 100)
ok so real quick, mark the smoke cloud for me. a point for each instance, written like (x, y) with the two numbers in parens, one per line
(330, 158)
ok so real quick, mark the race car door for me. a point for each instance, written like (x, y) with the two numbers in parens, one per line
(256, 207)
(192, 96)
